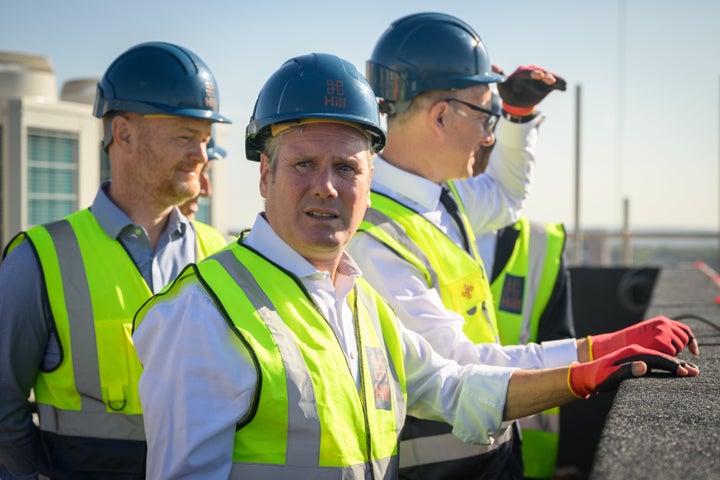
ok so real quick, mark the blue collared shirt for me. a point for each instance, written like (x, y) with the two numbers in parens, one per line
(27, 341)
(176, 246)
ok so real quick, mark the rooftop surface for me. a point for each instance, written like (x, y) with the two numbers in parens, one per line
(668, 428)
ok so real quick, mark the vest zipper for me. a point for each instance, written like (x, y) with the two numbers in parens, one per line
(486, 314)
(362, 385)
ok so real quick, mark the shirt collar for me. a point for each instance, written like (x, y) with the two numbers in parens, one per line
(178, 223)
(113, 220)
(412, 190)
(264, 239)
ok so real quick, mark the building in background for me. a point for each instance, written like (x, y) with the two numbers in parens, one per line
(51, 159)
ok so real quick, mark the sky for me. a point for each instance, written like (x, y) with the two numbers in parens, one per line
(645, 75)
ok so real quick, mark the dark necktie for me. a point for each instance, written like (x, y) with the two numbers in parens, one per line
(451, 206)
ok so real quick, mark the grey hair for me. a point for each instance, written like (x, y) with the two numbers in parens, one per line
(272, 146)
(417, 104)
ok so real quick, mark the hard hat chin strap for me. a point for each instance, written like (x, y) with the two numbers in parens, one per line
(392, 108)
(107, 133)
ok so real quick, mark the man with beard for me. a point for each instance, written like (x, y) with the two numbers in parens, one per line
(69, 289)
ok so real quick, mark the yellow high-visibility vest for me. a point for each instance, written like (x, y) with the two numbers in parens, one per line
(461, 280)
(457, 275)
(209, 239)
(308, 418)
(93, 289)
(521, 293)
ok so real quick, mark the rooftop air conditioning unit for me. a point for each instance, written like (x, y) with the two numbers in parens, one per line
(81, 90)
(26, 75)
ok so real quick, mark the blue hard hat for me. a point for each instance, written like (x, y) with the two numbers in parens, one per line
(215, 152)
(159, 78)
(317, 85)
(427, 51)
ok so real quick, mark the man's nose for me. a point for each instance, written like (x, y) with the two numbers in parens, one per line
(325, 182)
(488, 139)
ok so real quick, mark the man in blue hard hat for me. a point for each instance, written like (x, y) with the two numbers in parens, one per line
(274, 358)
(417, 245)
(69, 289)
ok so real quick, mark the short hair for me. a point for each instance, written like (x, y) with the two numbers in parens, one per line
(417, 104)
(272, 146)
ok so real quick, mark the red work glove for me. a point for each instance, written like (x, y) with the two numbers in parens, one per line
(660, 333)
(605, 374)
(521, 92)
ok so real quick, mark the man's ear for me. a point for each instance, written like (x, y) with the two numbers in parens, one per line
(437, 116)
(121, 130)
(265, 174)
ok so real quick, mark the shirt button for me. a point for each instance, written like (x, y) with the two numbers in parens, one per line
(353, 355)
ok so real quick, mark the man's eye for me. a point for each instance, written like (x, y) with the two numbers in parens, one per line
(346, 168)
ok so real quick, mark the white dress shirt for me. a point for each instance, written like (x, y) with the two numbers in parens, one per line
(198, 378)
(492, 201)
(486, 244)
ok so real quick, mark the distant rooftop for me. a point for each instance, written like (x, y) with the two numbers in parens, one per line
(17, 60)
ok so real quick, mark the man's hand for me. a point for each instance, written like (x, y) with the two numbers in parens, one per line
(605, 374)
(526, 87)
(660, 334)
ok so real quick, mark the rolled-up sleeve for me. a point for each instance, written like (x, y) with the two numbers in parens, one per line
(494, 199)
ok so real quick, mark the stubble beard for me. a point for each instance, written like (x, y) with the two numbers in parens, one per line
(166, 189)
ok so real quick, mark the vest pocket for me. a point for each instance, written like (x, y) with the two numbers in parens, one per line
(119, 366)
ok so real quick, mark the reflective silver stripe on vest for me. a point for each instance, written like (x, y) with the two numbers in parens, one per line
(545, 422)
(536, 264)
(287, 472)
(396, 232)
(444, 447)
(400, 406)
(303, 440)
(92, 420)
(80, 315)
(91, 424)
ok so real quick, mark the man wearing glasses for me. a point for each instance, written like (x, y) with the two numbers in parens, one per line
(417, 244)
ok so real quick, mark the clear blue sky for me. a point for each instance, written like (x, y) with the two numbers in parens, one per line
(649, 72)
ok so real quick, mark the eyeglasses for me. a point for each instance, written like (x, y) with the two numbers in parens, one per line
(489, 121)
